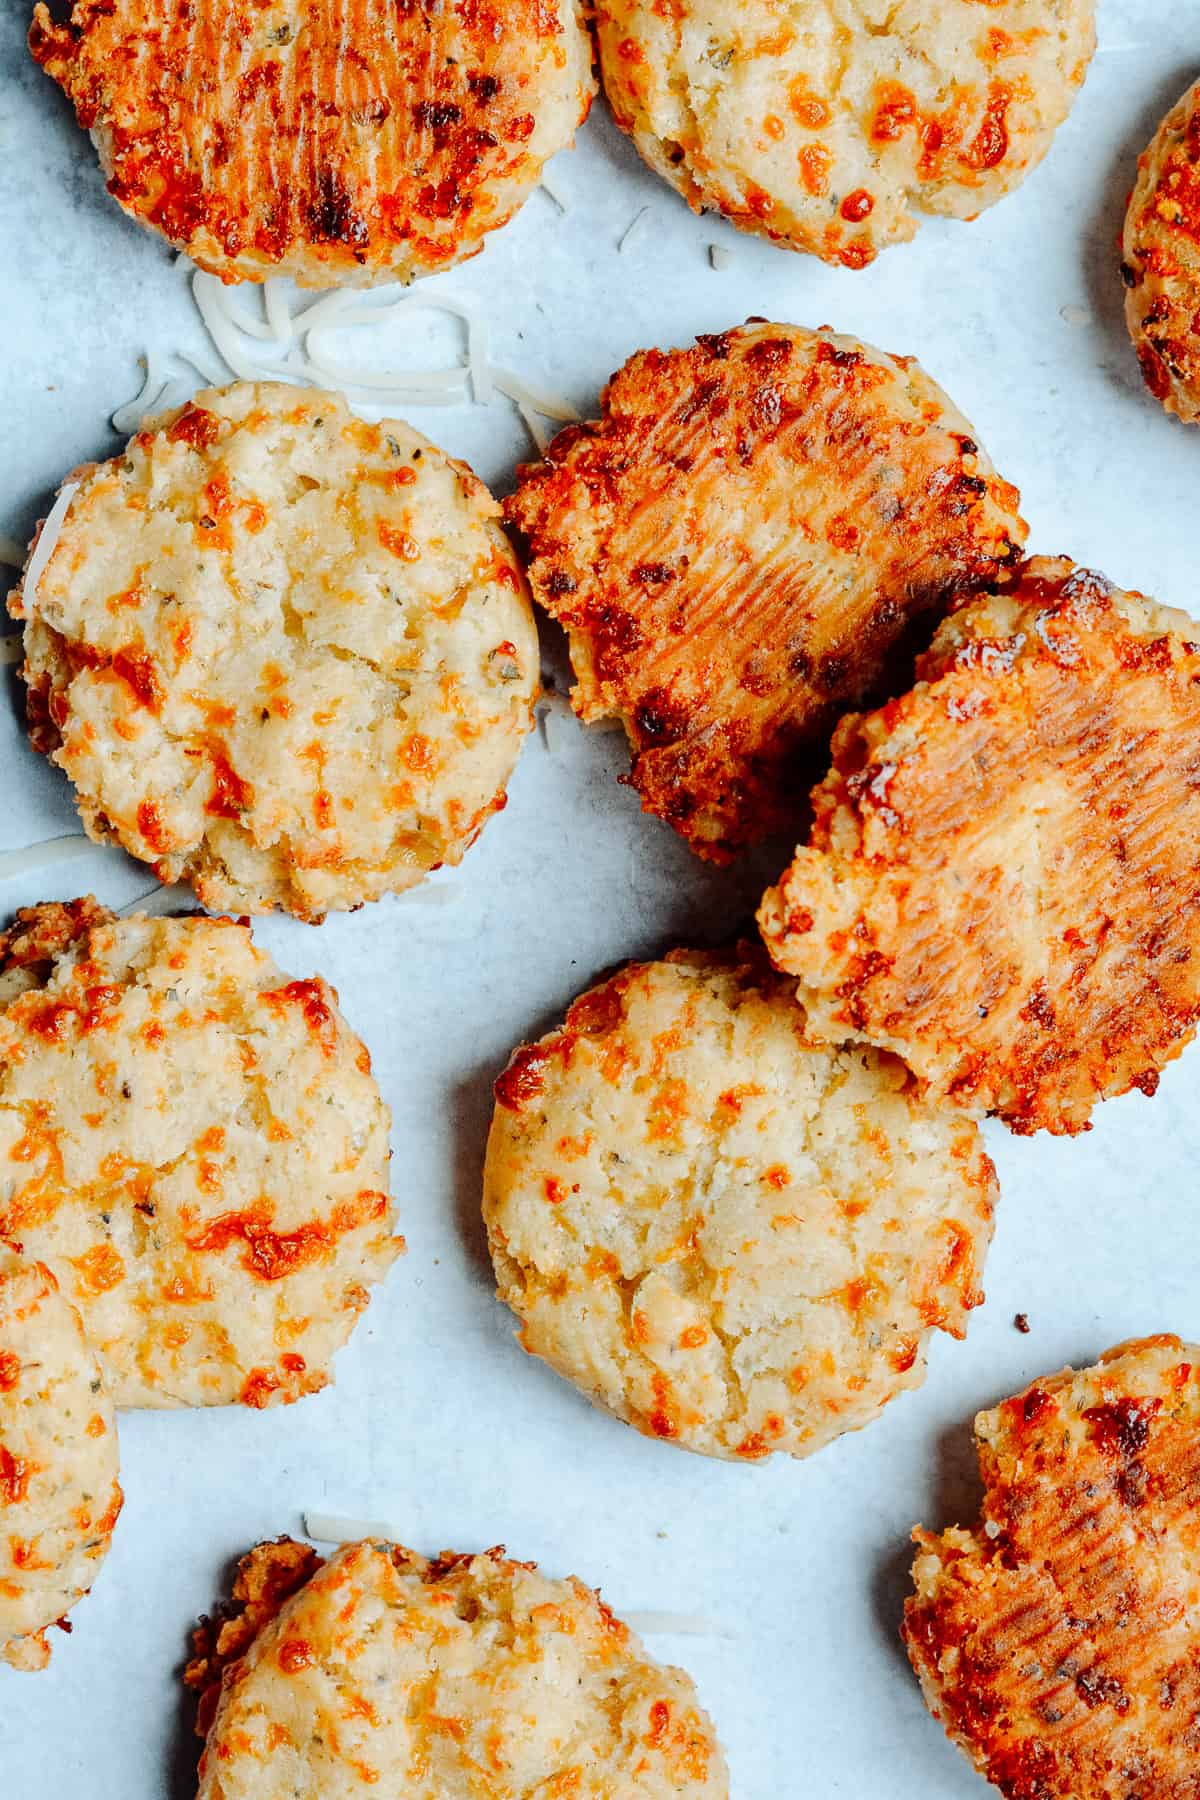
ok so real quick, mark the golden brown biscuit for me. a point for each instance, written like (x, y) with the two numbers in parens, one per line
(1161, 265)
(194, 1144)
(59, 1496)
(337, 141)
(1001, 883)
(281, 653)
(464, 1678)
(826, 125)
(1057, 1643)
(733, 1238)
(745, 543)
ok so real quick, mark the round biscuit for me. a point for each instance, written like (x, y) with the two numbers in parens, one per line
(464, 1678)
(751, 538)
(999, 884)
(826, 125)
(1161, 261)
(733, 1238)
(282, 654)
(195, 1146)
(59, 1494)
(1057, 1641)
(341, 142)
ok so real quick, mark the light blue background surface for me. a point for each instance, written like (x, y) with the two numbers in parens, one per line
(438, 1423)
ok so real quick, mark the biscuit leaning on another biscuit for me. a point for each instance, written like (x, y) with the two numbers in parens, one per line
(733, 1237)
(1058, 1641)
(282, 654)
(826, 126)
(59, 1494)
(462, 1678)
(195, 1145)
(1001, 883)
(341, 142)
(755, 534)
(1161, 267)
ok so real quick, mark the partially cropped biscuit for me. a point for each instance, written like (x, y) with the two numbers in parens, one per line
(342, 142)
(1161, 267)
(195, 1145)
(463, 1678)
(282, 654)
(830, 127)
(1057, 1641)
(734, 1238)
(755, 535)
(59, 1495)
(1000, 884)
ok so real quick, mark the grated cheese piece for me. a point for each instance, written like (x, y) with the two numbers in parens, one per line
(47, 537)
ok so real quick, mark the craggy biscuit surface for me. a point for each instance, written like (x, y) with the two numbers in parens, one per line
(1001, 882)
(337, 141)
(59, 1496)
(736, 1239)
(195, 1145)
(743, 545)
(1057, 1643)
(1162, 261)
(282, 654)
(464, 1678)
(825, 124)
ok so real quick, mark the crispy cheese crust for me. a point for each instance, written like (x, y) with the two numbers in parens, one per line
(464, 1678)
(735, 1239)
(195, 1145)
(1001, 884)
(59, 1495)
(282, 654)
(1057, 1642)
(337, 141)
(744, 544)
(1161, 267)
(825, 125)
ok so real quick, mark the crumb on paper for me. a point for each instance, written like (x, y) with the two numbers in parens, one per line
(720, 256)
(1022, 1323)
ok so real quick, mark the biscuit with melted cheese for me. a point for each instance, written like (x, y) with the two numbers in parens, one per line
(340, 142)
(282, 654)
(194, 1144)
(734, 1238)
(1057, 1641)
(755, 535)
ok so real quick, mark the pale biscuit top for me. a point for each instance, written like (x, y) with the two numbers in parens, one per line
(1057, 1641)
(1000, 883)
(337, 141)
(736, 1239)
(59, 1496)
(282, 654)
(1161, 267)
(195, 1145)
(465, 1678)
(754, 536)
(825, 124)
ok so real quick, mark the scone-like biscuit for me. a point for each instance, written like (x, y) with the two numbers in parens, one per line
(1058, 1643)
(734, 1238)
(464, 1678)
(59, 1496)
(282, 654)
(745, 544)
(1001, 882)
(825, 124)
(195, 1145)
(338, 141)
(1162, 261)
